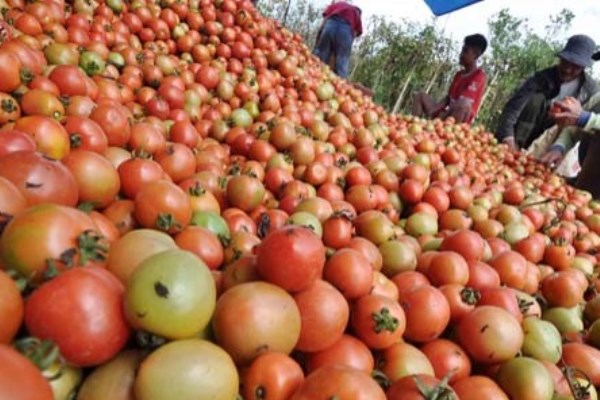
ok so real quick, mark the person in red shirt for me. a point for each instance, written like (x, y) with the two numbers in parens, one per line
(466, 91)
(341, 25)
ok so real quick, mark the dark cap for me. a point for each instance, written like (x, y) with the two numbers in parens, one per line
(579, 50)
(596, 56)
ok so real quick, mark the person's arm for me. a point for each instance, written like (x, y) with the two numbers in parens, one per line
(513, 108)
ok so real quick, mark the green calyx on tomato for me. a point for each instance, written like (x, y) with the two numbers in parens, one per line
(42, 353)
(384, 321)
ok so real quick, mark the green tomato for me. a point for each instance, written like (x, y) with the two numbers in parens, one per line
(92, 63)
(187, 370)
(566, 320)
(397, 257)
(241, 117)
(213, 222)
(63, 380)
(542, 340)
(171, 294)
(524, 378)
(514, 232)
(252, 108)
(115, 5)
(421, 223)
(116, 59)
(325, 91)
(308, 220)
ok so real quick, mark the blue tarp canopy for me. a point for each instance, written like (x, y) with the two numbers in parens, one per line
(441, 7)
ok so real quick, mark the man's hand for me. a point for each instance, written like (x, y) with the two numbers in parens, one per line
(552, 158)
(570, 111)
(510, 142)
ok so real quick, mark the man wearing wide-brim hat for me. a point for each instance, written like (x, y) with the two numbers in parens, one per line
(525, 116)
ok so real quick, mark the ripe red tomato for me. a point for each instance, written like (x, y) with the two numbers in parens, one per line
(324, 313)
(11, 308)
(274, 376)
(378, 321)
(20, 378)
(339, 382)
(291, 257)
(95, 296)
(162, 205)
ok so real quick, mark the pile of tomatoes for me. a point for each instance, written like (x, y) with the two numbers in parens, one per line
(192, 206)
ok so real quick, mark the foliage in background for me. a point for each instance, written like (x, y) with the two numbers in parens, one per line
(396, 58)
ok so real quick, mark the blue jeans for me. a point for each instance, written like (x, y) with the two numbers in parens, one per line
(336, 39)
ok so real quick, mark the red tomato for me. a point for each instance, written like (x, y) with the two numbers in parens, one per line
(427, 313)
(40, 179)
(324, 313)
(11, 308)
(291, 257)
(378, 321)
(95, 297)
(339, 382)
(20, 378)
(272, 376)
(347, 351)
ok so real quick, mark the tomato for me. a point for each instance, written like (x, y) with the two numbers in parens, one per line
(271, 376)
(324, 313)
(11, 308)
(585, 358)
(421, 223)
(291, 257)
(194, 368)
(114, 122)
(476, 387)
(350, 272)
(563, 289)
(176, 303)
(427, 313)
(525, 378)
(490, 335)
(50, 137)
(10, 110)
(542, 341)
(403, 359)
(85, 134)
(114, 379)
(482, 276)
(66, 383)
(419, 387)
(245, 192)
(270, 321)
(98, 333)
(511, 267)
(42, 102)
(20, 378)
(97, 180)
(339, 382)
(378, 321)
(397, 257)
(347, 351)
(448, 267)
(447, 359)
(502, 297)
(162, 205)
(40, 179)
(13, 140)
(566, 320)
(203, 243)
(213, 222)
(12, 200)
(467, 243)
(64, 237)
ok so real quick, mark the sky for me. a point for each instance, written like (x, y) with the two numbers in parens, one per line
(474, 18)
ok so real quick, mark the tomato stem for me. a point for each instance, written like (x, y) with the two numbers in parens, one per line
(92, 247)
(384, 321)
(43, 353)
(149, 341)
